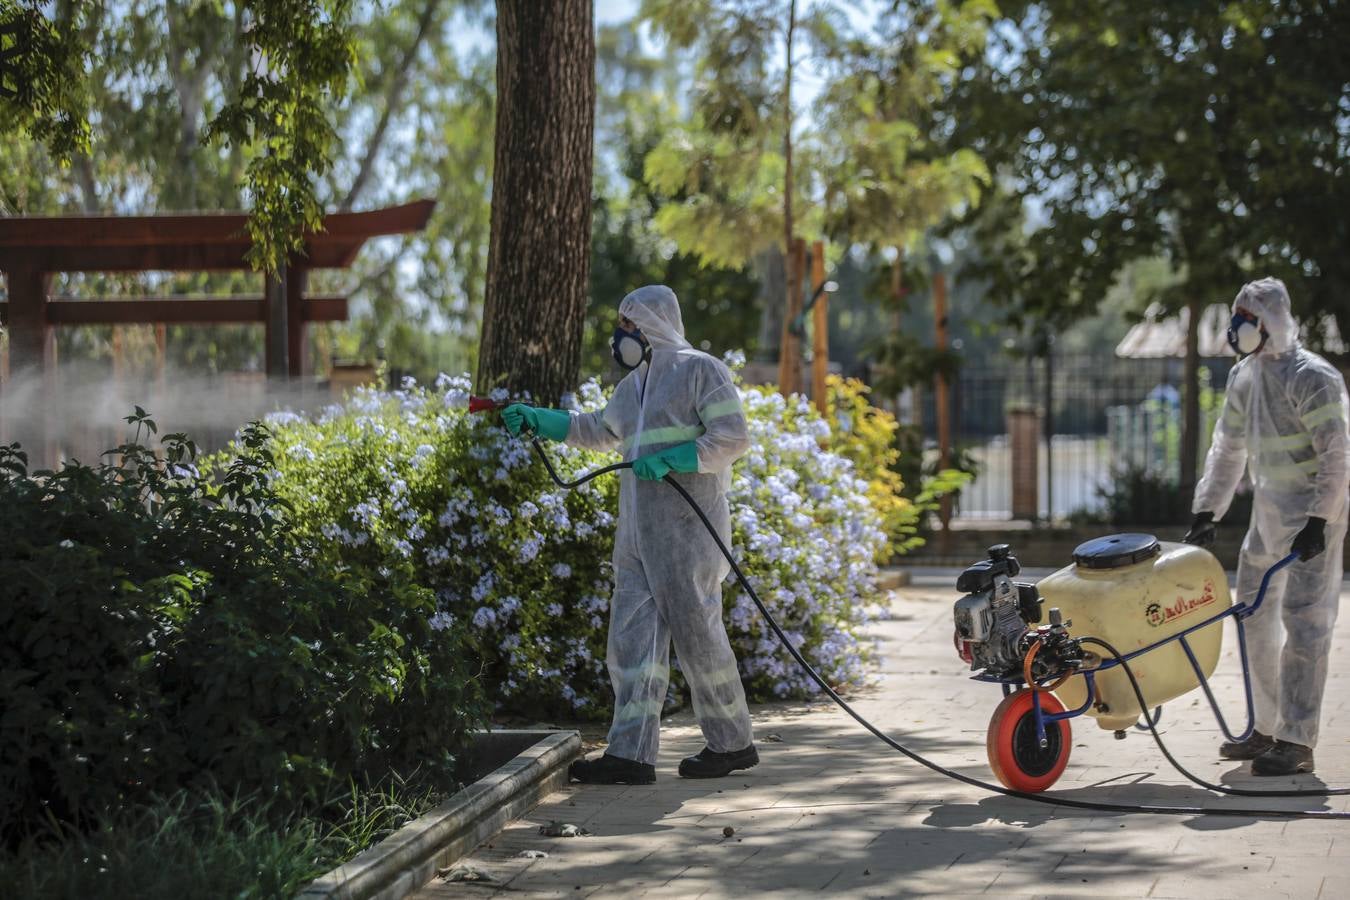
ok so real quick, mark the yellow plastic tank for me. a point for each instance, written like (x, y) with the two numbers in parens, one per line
(1133, 590)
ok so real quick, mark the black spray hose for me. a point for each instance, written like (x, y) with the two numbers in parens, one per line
(1048, 799)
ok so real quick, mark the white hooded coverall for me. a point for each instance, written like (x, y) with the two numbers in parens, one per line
(668, 572)
(1284, 420)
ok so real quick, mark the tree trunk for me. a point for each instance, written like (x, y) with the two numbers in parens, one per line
(789, 348)
(534, 307)
(1190, 421)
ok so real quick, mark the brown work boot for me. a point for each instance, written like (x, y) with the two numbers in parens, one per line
(1284, 759)
(1251, 748)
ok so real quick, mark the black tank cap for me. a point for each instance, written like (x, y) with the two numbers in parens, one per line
(1115, 551)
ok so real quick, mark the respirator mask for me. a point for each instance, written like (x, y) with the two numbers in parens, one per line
(1245, 334)
(630, 348)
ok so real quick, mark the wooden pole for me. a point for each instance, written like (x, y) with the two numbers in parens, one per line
(275, 331)
(118, 363)
(940, 396)
(161, 354)
(897, 309)
(820, 336)
(1190, 411)
(790, 352)
(32, 360)
(297, 344)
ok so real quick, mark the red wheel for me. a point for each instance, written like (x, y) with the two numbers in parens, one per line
(1015, 755)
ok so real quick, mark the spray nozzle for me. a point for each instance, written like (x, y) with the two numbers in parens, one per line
(484, 404)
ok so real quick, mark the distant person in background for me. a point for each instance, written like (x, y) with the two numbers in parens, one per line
(1284, 422)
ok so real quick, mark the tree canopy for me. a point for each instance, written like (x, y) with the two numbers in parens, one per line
(1215, 135)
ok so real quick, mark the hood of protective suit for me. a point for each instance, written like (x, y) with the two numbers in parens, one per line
(656, 312)
(1268, 300)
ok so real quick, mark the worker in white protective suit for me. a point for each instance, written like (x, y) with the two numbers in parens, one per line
(1284, 421)
(677, 412)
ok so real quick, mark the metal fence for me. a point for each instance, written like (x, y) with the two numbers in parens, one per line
(1099, 416)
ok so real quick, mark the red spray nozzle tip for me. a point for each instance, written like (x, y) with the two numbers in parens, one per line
(482, 404)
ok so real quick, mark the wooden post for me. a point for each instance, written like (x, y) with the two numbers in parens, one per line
(118, 362)
(1190, 409)
(1024, 437)
(297, 350)
(161, 353)
(941, 399)
(820, 337)
(32, 360)
(276, 322)
(31, 347)
(790, 347)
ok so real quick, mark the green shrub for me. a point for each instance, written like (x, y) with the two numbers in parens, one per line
(866, 436)
(884, 452)
(160, 629)
(409, 479)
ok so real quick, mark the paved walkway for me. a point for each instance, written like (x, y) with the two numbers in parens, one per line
(830, 809)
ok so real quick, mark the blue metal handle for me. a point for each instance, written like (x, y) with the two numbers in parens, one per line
(1265, 583)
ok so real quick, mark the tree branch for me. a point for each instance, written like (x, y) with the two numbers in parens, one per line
(84, 171)
(393, 99)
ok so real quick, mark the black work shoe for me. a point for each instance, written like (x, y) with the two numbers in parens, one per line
(612, 770)
(711, 764)
(1284, 759)
(1251, 748)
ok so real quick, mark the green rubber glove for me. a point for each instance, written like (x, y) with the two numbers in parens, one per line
(680, 458)
(549, 423)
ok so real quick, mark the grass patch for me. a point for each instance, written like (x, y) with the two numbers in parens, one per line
(209, 845)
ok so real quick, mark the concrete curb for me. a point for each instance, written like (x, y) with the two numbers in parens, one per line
(409, 858)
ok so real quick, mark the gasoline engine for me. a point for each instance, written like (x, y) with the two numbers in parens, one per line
(994, 622)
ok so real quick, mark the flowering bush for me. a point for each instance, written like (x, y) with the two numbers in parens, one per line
(866, 435)
(809, 538)
(410, 480)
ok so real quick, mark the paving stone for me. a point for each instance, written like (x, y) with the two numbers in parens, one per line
(831, 810)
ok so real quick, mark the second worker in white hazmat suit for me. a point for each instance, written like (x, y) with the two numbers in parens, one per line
(678, 411)
(1284, 422)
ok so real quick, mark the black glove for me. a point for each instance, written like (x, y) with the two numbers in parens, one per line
(1312, 540)
(1202, 530)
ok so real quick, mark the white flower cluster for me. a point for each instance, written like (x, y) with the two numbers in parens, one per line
(811, 540)
(520, 567)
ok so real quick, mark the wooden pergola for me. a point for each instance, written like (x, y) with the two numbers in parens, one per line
(33, 248)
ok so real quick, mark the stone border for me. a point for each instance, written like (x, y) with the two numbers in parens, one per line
(409, 858)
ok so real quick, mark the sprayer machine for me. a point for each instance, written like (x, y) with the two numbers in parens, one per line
(1154, 604)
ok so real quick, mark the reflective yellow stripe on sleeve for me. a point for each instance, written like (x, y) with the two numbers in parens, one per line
(1288, 442)
(728, 407)
(1289, 472)
(1322, 415)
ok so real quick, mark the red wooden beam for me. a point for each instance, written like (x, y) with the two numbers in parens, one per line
(194, 228)
(325, 309)
(178, 311)
(130, 312)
